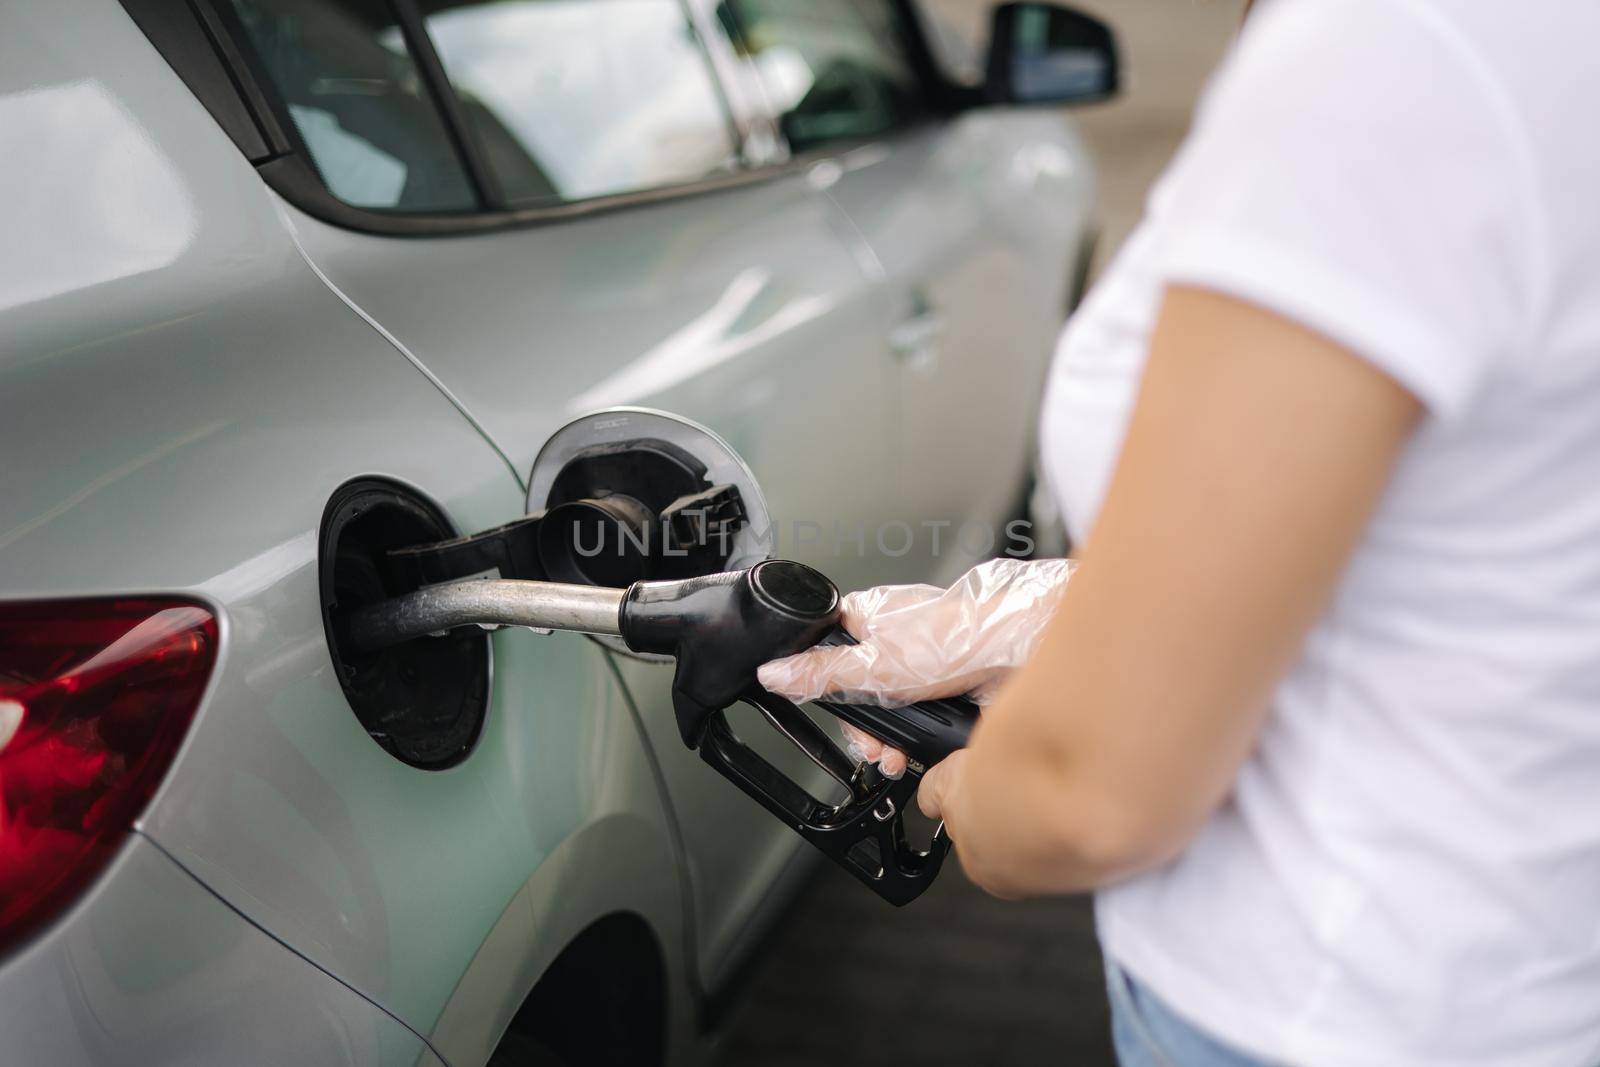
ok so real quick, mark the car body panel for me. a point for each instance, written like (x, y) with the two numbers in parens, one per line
(601, 869)
(971, 308)
(153, 968)
(187, 394)
(745, 311)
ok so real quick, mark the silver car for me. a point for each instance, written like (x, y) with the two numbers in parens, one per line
(287, 286)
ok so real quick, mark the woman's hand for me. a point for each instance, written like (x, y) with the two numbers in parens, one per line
(918, 642)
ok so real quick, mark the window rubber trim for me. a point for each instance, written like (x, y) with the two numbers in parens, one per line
(188, 36)
(298, 183)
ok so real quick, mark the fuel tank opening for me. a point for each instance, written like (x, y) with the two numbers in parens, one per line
(424, 701)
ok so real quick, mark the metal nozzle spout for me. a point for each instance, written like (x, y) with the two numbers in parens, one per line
(495, 602)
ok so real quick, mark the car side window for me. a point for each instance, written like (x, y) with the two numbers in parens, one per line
(831, 69)
(573, 99)
(359, 103)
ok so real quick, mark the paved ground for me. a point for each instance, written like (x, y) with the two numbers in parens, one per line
(956, 978)
(959, 978)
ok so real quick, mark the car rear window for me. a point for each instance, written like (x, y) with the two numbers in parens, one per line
(359, 103)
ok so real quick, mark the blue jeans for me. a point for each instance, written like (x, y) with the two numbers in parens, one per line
(1147, 1033)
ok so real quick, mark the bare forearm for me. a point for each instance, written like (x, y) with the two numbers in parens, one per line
(1064, 787)
(1023, 826)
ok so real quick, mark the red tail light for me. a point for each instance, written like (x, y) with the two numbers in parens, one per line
(95, 698)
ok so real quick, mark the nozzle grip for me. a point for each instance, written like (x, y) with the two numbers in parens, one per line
(926, 731)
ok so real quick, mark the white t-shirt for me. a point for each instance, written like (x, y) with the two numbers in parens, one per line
(1408, 868)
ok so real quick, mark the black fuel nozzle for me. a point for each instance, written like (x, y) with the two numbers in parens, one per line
(720, 629)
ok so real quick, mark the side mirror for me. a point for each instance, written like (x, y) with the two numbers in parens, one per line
(1045, 54)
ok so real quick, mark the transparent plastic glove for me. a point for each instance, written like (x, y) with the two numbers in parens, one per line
(918, 642)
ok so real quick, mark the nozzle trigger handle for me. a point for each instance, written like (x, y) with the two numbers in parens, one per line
(926, 731)
(865, 834)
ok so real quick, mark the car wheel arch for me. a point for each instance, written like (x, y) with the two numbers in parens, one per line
(604, 996)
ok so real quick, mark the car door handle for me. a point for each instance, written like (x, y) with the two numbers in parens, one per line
(914, 341)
